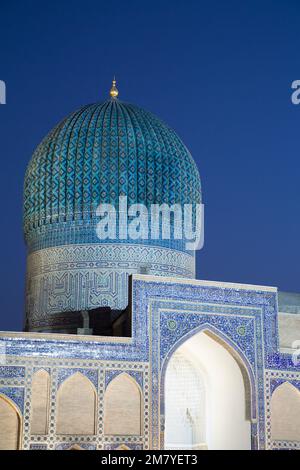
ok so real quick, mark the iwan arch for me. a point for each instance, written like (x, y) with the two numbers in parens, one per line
(118, 332)
(207, 388)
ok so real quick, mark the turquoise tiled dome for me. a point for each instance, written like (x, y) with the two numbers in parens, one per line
(96, 154)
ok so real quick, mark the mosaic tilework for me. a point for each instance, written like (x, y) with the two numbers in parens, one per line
(83, 277)
(112, 374)
(281, 361)
(165, 313)
(274, 383)
(100, 152)
(12, 382)
(82, 445)
(15, 394)
(94, 370)
(274, 378)
(129, 444)
(11, 372)
(36, 369)
(261, 306)
(63, 374)
(38, 447)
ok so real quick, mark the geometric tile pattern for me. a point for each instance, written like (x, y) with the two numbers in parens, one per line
(165, 313)
(81, 277)
(274, 378)
(101, 152)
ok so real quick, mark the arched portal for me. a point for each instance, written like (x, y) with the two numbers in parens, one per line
(205, 372)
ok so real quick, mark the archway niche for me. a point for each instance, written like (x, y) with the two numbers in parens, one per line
(10, 425)
(207, 393)
(123, 407)
(285, 413)
(76, 406)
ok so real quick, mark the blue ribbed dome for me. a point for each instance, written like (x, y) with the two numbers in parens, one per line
(96, 154)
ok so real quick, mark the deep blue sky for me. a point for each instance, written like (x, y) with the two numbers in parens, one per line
(218, 72)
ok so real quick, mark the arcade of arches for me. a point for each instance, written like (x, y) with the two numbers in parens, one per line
(206, 390)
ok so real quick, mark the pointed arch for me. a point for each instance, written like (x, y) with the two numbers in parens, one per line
(242, 375)
(123, 406)
(10, 429)
(285, 413)
(40, 390)
(236, 353)
(123, 447)
(76, 406)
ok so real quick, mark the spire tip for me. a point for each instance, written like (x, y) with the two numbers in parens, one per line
(114, 91)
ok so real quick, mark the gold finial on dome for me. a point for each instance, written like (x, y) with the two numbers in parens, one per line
(114, 91)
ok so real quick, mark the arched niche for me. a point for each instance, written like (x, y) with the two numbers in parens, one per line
(229, 388)
(40, 390)
(123, 407)
(10, 425)
(76, 406)
(285, 413)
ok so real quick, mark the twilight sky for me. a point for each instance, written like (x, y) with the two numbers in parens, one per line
(219, 73)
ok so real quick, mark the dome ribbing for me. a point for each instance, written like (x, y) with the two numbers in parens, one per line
(99, 153)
